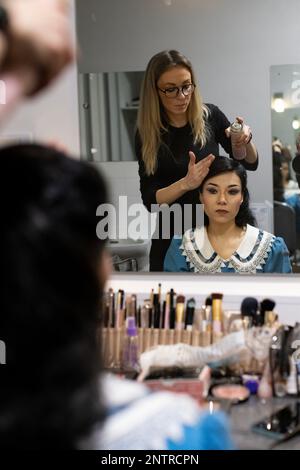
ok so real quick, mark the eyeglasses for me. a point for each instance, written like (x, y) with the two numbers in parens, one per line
(174, 91)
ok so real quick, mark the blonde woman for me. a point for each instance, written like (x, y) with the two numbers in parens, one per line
(178, 138)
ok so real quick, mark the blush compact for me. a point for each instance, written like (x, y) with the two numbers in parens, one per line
(235, 393)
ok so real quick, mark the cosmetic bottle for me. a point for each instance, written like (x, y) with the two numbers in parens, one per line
(238, 151)
(264, 390)
(130, 347)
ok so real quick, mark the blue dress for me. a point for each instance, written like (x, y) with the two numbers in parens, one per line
(259, 252)
(294, 202)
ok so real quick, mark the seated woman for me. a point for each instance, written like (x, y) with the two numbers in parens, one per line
(53, 392)
(228, 241)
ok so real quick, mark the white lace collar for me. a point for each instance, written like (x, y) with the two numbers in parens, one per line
(250, 256)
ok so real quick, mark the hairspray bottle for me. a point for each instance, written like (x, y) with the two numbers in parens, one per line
(239, 151)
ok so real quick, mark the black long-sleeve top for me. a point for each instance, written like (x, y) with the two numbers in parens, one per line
(173, 157)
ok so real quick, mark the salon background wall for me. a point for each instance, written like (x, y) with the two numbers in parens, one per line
(230, 43)
(283, 289)
(51, 116)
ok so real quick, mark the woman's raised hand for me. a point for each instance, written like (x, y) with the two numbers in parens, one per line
(197, 171)
(41, 42)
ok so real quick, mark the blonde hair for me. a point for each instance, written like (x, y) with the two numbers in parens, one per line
(149, 121)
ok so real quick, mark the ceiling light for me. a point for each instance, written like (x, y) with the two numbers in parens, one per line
(296, 123)
(278, 103)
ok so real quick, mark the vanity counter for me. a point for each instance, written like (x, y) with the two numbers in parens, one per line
(244, 415)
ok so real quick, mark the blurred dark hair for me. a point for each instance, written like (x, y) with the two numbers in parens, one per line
(49, 298)
(225, 165)
(288, 162)
(286, 154)
(278, 189)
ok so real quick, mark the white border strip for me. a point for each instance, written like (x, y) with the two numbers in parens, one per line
(241, 285)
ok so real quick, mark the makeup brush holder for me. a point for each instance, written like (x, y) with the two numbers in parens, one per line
(251, 360)
(111, 341)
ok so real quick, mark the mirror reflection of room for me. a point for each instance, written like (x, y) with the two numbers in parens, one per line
(285, 104)
(113, 109)
(178, 138)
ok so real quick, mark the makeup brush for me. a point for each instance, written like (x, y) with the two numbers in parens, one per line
(167, 312)
(266, 305)
(217, 316)
(189, 314)
(172, 310)
(111, 308)
(179, 316)
(119, 309)
(208, 318)
(159, 293)
(156, 311)
(249, 308)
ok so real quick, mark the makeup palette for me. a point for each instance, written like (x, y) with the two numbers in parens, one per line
(233, 392)
(192, 387)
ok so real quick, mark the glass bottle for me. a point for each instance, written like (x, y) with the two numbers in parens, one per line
(130, 347)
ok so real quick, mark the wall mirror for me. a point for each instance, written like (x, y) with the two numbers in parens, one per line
(117, 39)
(285, 125)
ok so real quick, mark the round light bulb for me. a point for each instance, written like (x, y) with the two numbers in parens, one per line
(279, 105)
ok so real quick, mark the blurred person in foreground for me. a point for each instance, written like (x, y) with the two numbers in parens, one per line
(54, 270)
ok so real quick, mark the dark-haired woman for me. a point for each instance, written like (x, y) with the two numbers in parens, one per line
(53, 394)
(228, 241)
